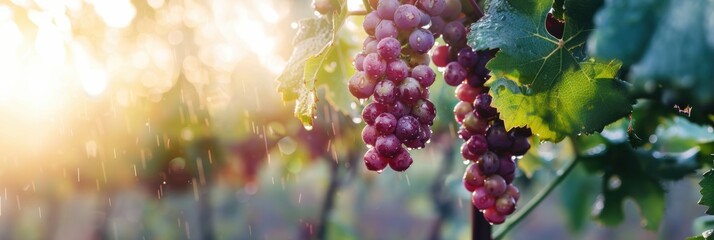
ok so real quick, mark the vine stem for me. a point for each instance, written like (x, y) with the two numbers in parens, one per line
(513, 221)
(357, 13)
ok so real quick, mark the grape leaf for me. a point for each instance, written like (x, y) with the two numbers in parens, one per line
(545, 83)
(670, 45)
(707, 184)
(623, 177)
(314, 40)
(335, 73)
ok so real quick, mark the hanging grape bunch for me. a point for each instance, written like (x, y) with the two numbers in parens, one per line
(488, 146)
(394, 70)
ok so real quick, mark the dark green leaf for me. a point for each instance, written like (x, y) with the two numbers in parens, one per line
(707, 184)
(577, 193)
(543, 82)
(623, 177)
(670, 45)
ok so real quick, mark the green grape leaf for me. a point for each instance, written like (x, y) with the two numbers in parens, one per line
(335, 73)
(635, 173)
(314, 41)
(624, 177)
(577, 195)
(670, 45)
(707, 184)
(545, 83)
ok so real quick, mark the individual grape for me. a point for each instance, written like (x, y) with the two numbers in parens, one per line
(421, 40)
(371, 111)
(407, 128)
(432, 7)
(464, 133)
(454, 33)
(482, 105)
(397, 71)
(498, 139)
(467, 57)
(385, 29)
(374, 66)
(374, 161)
(466, 93)
(360, 86)
(473, 178)
(422, 139)
(369, 135)
(513, 192)
(410, 90)
(505, 204)
(399, 109)
(424, 74)
(401, 161)
(388, 145)
(370, 22)
(481, 199)
(467, 154)
(425, 19)
(425, 132)
(425, 111)
(425, 93)
(385, 124)
(386, 8)
(388, 48)
(494, 184)
(407, 17)
(414, 143)
(358, 60)
(461, 109)
(385, 92)
(520, 145)
(477, 145)
(369, 45)
(474, 124)
(507, 168)
(452, 10)
(554, 26)
(440, 56)
(488, 162)
(437, 26)
(475, 80)
(492, 216)
(454, 74)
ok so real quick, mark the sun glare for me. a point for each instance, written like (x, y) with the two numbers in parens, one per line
(61, 57)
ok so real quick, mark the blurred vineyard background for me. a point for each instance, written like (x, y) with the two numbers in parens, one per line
(159, 119)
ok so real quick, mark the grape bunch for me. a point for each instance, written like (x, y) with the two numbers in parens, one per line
(490, 149)
(488, 146)
(393, 69)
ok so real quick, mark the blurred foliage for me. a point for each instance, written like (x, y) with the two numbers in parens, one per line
(667, 44)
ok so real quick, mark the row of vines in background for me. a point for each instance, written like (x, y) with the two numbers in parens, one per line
(625, 83)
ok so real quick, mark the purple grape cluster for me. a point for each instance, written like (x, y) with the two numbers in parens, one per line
(488, 145)
(393, 69)
(490, 148)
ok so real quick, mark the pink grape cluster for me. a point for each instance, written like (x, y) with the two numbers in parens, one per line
(393, 70)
